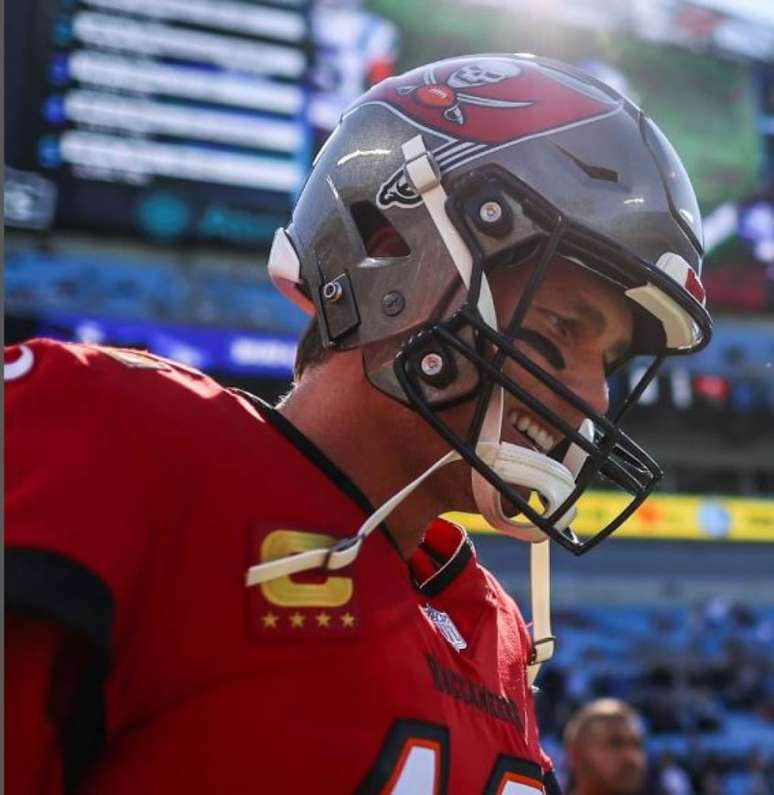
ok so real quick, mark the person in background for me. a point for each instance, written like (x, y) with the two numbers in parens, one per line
(605, 748)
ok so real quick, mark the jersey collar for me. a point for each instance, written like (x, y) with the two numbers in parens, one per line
(441, 558)
(317, 457)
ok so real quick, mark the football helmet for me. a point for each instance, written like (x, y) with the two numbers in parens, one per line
(498, 161)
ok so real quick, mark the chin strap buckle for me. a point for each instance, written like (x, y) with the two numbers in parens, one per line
(540, 655)
(421, 168)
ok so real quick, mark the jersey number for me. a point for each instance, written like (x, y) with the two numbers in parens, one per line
(414, 760)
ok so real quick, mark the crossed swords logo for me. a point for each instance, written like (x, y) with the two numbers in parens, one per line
(452, 94)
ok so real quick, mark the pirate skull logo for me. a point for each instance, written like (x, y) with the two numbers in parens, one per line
(482, 73)
(449, 96)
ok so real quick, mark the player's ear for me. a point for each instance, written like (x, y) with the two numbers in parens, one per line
(386, 242)
(380, 237)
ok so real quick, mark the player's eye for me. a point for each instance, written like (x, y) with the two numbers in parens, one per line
(563, 326)
(543, 346)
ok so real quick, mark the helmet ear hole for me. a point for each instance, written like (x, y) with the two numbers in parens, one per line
(380, 238)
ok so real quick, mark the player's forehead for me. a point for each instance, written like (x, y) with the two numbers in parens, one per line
(564, 277)
(568, 286)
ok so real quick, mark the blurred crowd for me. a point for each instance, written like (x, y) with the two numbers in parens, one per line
(701, 680)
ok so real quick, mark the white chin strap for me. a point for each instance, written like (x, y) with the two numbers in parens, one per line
(344, 552)
(518, 466)
(553, 482)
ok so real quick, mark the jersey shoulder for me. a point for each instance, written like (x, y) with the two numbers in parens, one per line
(56, 384)
(46, 364)
(105, 448)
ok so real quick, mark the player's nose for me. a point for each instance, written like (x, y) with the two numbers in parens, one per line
(589, 383)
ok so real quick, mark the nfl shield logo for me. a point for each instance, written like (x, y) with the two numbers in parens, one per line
(446, 627)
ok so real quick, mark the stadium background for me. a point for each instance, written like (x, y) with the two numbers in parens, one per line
(153, 147)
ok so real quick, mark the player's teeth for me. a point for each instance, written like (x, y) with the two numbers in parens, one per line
(530, 428)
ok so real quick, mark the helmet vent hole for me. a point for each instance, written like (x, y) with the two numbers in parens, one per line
(591, 170)
(380, 238)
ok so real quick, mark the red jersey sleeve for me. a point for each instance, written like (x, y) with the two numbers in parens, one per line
(83, 489)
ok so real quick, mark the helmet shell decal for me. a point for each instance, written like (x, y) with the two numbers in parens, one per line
(469, 99)
(481, 104)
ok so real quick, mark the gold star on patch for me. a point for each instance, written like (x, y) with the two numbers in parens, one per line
(323, 619)
(348, 620)
(296, 620)
(269, 621)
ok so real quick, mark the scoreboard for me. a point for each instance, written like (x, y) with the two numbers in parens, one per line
(178, 120)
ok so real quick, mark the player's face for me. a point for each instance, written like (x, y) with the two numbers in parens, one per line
(609, 758)
(578, 325)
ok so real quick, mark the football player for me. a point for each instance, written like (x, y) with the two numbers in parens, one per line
(213, 595)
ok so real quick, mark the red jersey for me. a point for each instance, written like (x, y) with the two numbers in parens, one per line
(139, 492)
